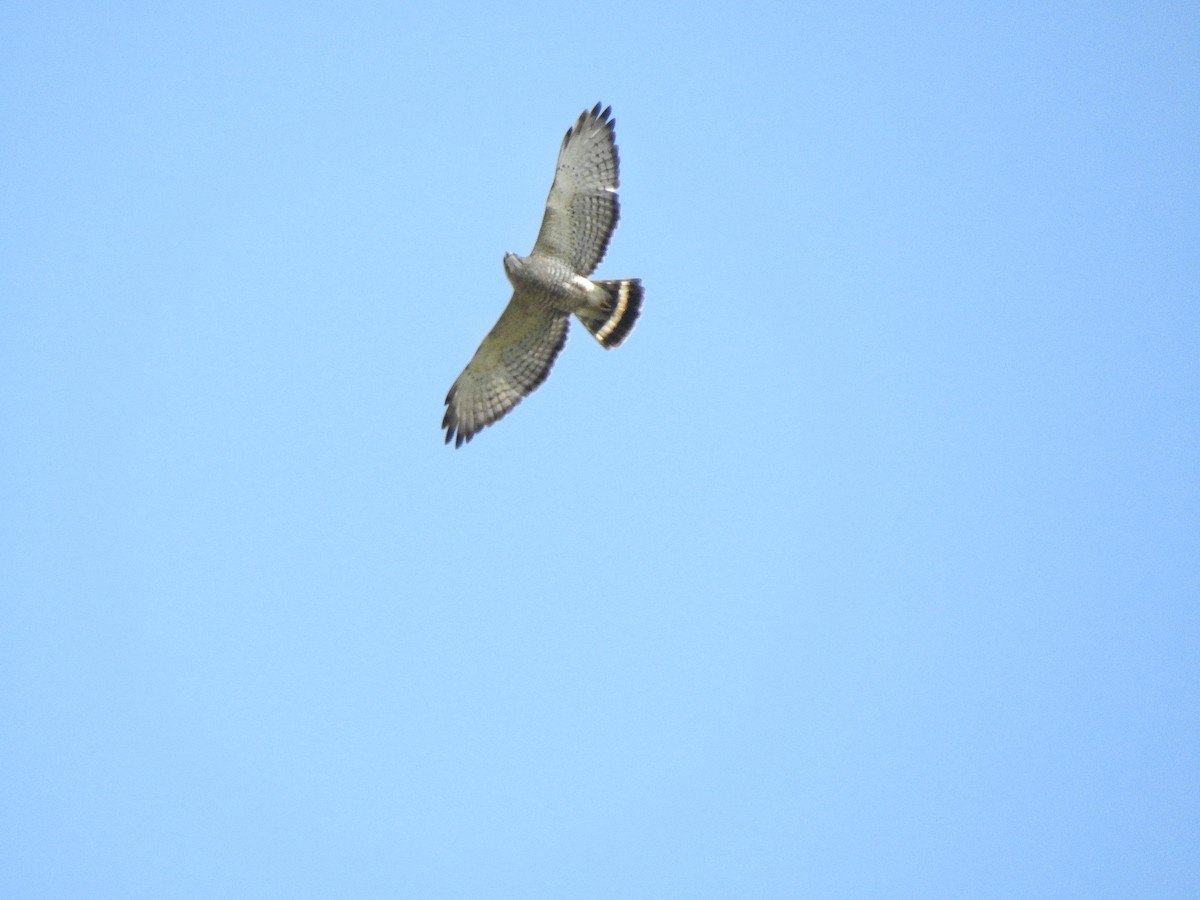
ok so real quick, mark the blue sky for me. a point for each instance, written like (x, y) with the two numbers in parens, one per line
(866, 568)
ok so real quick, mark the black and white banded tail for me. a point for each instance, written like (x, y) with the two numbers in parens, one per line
(611, 321)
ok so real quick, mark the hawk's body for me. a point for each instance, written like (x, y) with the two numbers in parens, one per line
(551, 284)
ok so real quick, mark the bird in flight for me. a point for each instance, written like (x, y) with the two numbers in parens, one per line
(551, 284)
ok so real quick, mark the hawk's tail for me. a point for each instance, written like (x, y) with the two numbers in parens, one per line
(611, 321)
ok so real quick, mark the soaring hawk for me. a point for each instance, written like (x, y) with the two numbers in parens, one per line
(551, 284)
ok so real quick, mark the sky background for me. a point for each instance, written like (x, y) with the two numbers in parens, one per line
(868, 567)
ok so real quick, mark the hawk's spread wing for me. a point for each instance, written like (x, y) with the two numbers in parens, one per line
(512, 361)
(582, 209)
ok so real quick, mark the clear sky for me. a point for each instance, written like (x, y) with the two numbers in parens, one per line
(868, 567)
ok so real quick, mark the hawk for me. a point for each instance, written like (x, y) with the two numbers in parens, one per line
(551, 284)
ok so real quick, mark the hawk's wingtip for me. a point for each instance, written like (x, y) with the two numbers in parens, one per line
(455, 433)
